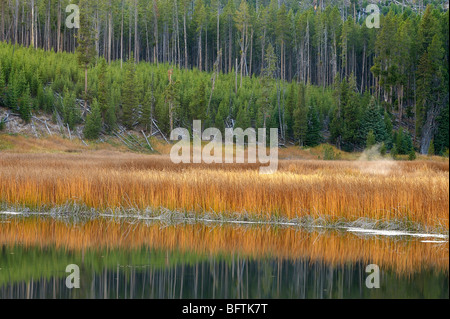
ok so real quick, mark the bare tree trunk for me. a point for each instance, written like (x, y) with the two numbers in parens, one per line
(85, 87)
(251, 53)
(121, 37)
(206, 48)
(236, 76)
(48, 27)
(218, 33)
(110, 27)
(230, 45)
(429, 128)
(155, 32)
(363, 68)
(185, 40)
(58, 27)
(177, 34)
(2, 23)
(32, 23)
(16, 21)
(263, 44)
(129, 35)
(200, 49)
(136, 34)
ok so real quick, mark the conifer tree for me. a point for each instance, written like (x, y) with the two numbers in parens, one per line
(372, 120)
(25, 104)
(129, 94)
(86, 39)
(102, 92)
(2, 86)
(93, 124)
(313, 135)
(371, 139)
(197, 106)
(300, 125)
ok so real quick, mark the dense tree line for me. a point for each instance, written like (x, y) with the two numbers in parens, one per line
(311, 68)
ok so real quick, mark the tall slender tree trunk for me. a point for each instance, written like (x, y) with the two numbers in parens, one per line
(155, 32)
(200, 49)
(121, 37)
(218, 34)
(16, 22)
(185, 40)
(363, 68)
(136, 34)
(110, 27)
(48, 26)
(2, 22)
(230, 44)
(251, 53)
(129, 34)
(58, 28)
(32, 24)
(206, 48)
(177, 34)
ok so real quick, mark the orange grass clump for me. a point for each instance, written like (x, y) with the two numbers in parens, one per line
(334, 248)
(380, 190)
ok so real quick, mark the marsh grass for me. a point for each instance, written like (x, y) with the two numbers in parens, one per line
(411, 195)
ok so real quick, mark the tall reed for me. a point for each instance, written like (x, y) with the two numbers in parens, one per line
(414, 191)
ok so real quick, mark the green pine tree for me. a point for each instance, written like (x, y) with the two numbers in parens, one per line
(371, 139)
(372, 120)
(300, 125)
(102, 92)
(93, 124)
(25, 105)
(313, 134)
(129, 94)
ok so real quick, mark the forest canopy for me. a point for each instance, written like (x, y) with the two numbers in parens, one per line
(312, 69)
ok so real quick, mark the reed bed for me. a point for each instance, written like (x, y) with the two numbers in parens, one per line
(334, 248)
(377, 190)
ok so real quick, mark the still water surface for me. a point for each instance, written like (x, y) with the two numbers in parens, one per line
(149, 260)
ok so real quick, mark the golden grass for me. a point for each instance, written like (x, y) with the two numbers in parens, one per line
(383, 190)
(403, 257)
(52, 144)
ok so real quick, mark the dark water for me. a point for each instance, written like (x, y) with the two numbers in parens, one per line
(164, 274)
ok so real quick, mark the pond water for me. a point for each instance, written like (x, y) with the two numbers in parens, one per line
(135, 259)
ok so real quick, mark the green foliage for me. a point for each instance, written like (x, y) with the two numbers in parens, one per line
(371, 139)
(102, 91)
(25, 104)
(403, 142)
(329, 154)
(431, 150)
(93, 125)
(300, 117)
(383, 149)
(313, 135)
(129, 94)
(412, 155)
(372, 121)
(197, 106)
(332, 61)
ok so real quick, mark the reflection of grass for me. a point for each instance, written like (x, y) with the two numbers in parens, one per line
(20, 264)
(191, 243)
(385, 190)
